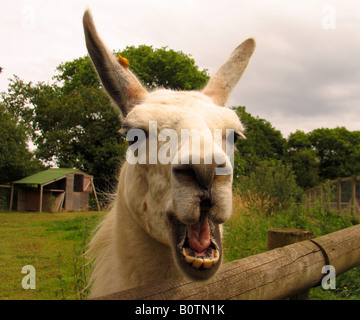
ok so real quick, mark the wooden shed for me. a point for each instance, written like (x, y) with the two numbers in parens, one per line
(54, 190)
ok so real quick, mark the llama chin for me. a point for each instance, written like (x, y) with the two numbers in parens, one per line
(166, 218)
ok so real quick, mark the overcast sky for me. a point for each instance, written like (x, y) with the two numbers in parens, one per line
(304, 73)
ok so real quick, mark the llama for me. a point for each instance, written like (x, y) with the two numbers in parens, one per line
(166, 219)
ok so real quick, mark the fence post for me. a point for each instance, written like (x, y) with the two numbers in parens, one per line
(280, 237)
(353, 195)
(11, 196)
(339, 198)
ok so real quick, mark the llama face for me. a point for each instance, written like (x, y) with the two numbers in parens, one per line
(178, 174)
(185, 200)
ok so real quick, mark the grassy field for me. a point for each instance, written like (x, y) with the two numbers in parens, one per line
(53, 244)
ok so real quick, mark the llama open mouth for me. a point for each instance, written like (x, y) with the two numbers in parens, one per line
(197, 247)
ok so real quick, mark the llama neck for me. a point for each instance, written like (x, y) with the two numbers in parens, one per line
(144, 259)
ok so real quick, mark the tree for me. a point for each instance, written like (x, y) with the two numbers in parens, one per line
(165, 68)
(16, 161)
(324, 154)
(262, 142)
(338, 151)
(304, 159)
(17, 102)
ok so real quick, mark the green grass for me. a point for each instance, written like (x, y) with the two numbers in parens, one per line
(51, 242)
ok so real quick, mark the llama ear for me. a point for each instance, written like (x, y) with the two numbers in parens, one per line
(223, 82)
(120, 83)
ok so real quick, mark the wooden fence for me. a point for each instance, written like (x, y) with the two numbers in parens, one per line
(275, 274)
(343, 194)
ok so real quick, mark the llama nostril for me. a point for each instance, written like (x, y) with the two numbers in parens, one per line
(205, 204)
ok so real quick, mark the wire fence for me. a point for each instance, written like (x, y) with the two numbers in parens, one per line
(342, 194)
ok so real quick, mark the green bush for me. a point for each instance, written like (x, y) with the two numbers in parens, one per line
(273, 180)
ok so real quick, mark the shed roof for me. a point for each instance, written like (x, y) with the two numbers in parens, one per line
(46, 176)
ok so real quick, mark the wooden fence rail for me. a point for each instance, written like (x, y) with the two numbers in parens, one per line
(275, 274)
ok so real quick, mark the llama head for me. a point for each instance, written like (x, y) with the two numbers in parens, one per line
(177, 181)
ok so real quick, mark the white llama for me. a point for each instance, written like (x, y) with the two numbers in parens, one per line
(166, 220)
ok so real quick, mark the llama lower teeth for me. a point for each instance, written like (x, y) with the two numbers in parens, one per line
(189, 259)
(197, 262)
(207, 263)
